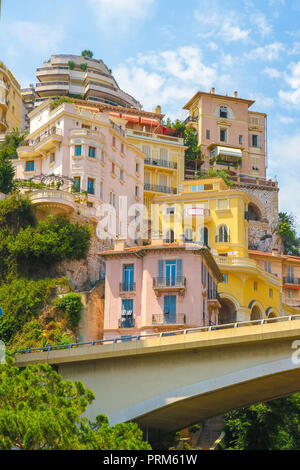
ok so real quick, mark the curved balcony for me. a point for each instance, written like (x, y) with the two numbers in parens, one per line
(48, 140)
(3, 103)
(54, 202)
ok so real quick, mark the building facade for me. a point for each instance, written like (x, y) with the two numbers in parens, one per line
(159, 287)
(208, 212)
(79, 77)
(87, 156)
(10, 101)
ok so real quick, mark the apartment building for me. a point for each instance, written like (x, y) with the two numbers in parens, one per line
(208, 212)
(84, 155)
(159, 287)
(231, 135)
(287, 269)
(79, 77)
(10, 101)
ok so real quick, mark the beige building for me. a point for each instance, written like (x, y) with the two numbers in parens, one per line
(10, 101)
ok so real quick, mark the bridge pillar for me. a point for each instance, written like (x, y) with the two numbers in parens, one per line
(243, 314)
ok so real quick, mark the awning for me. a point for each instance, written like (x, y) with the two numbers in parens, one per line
(130, 118)
(228, 151)
(149, 122)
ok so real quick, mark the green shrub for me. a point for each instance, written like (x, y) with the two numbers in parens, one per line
(87, 53)
(71, 304)
(16, 213)
(71, 65)
(83, 67)
(59, 101)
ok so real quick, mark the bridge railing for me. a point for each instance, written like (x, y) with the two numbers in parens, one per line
(162, 334)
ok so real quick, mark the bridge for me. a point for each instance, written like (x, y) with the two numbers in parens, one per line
(169, 381)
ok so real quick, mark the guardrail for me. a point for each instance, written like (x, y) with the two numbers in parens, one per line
(162, 334)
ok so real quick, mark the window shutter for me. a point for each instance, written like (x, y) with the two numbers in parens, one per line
(250, 140)
(259, 141)
(161, 269)
(179, 268)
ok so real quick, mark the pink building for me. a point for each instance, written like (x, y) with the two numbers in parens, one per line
(89, 151)
(232, 137)
(159, 287)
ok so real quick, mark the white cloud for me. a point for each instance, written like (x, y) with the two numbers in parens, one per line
(37, 38)
(271, 72)
(292, 78)
(286, 119)
(214, 25)
(262, 24)
(121, 14)
(168, 78)
(261, 101)
(295, 50)
(269, 52)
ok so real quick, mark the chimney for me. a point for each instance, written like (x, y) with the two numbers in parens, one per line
(235, 94)
(274, 251)
(212, 91)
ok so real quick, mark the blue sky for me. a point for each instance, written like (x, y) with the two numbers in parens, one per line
(162, 51)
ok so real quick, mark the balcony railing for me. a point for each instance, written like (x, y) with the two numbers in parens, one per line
(51, 84)
(126, 322)
(127, 287)
(169, 319)
(176, 282)
(159, 189)
(153, 136)
(118, 129)
(162, 163)
(191, 119)
(291, 280)
(40, 138)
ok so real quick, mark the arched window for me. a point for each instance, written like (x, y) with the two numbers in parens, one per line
(169, 236)
(222, 234)
(254, 212)
(188, 235)
(223, 112)
(203, 236)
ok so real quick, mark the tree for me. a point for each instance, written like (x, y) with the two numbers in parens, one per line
(87, 53)
(212, 173)
(273, 425)
(8, 148)
(190, 139)
(286, 229)
(40, 411)
(7, 174)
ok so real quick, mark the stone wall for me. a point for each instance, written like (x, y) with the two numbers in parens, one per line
(92, 319)
(262, 234)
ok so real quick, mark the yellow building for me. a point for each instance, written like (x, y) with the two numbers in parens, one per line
(10, 101)
(208, 212)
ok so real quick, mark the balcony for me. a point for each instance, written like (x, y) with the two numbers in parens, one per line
(127, 288)
(161, 163)
(4, 85)
(151, 136)
(169, 319)
(46, 141)
(126, 322)
(43, 73)
(51, 88)
(292, 281)
(235, 261)
(155, 188)
(54, 202)
(169, 284)
(4, 103)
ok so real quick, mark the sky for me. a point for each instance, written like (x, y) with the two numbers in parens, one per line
(163, 51)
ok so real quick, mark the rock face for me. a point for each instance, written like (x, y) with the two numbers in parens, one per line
(262, 232)
(92, 318)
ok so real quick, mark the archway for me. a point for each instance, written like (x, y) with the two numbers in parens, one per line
(255, 313)
(227, 312)
(254, 212)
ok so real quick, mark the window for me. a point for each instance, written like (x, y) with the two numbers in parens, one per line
(113, 141)
(255, 286)
(223, 112)
(169, 237)
(52, 158)
(137, 192)
(203, 312)
(207, 134)
(77, 183)
(203, 236)
(113, 167)
(222, 204)
(122, 148)
(267, 266)
(137, 168)
(163, 154)
(112, 199)
(225, 278)
(102, 155)
(196, 188)
(101, 189)
(290, 274)
(170, 210)
(240, 139)
(122, 175)
(147, 150)
(30, 165)
(255, 140)
(188, 235)
(78, 150)
(91, 186)
(128, 278)
(223, 135)
(291, 294)
(127, 320)
(92, 152)
(222, 234)
(270, 293)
